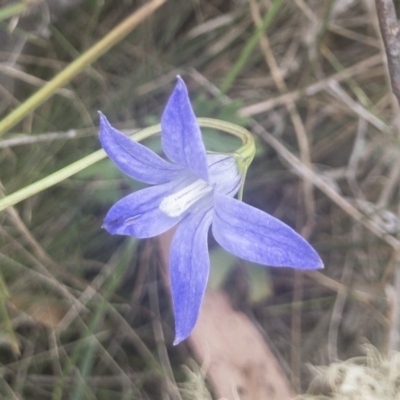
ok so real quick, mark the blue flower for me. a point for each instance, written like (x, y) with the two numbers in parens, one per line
(194, 190)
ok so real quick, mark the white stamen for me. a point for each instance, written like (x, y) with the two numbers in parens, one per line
(177, 203)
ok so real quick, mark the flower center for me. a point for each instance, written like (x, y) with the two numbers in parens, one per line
(177, 203)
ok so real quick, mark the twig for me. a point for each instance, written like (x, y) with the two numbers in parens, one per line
(336, 90)
(320, 183)
(312, 89)
(390, 31)
(16, 73)
(29, 139)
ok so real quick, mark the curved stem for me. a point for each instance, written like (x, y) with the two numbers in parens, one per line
(244, 155)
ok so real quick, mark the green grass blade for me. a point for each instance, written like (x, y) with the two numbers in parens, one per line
(11, 10)
(66, 172)
(5, 318)
(91, 55)
(250, 45)
(83, 356)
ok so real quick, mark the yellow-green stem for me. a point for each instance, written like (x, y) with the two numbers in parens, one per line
(244, 155)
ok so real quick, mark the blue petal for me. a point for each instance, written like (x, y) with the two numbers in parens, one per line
(134, 159)
(189, 268)
(259, 237)
(181, 135)
(224, 174)
(139, 215)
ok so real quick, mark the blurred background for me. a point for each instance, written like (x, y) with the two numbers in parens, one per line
(86, 315)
